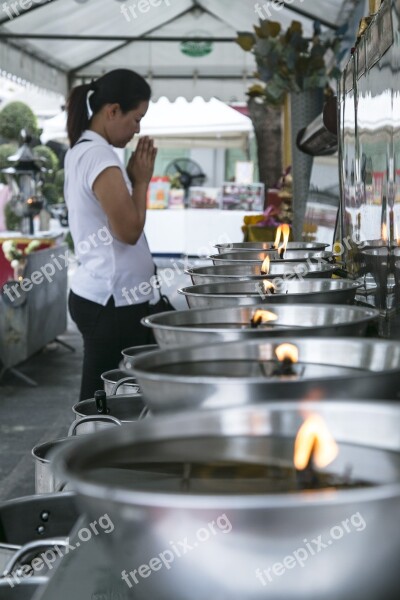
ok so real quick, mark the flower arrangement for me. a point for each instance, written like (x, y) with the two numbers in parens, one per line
(16, 256)
(288, 62)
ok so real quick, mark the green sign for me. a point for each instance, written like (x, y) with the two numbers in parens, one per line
(197, 48)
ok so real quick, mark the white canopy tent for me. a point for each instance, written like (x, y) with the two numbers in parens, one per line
(184, 47)
(180, 124)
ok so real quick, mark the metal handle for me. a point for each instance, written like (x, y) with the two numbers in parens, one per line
(91, 419)
(100, 397)
(118, 384)
(27, 549)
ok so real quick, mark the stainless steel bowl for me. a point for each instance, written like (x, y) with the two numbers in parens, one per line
(228, 324)
(238, 373)
(45, 480)
(219, 534)
(124, 408)
(129, 354)
(221, 273)
(321, 291)
(110, 378)
(249, 246)
(251, 257)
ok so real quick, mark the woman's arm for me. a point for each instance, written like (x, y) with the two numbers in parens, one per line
(127, 213)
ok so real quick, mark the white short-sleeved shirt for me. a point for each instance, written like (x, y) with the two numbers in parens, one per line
(107, 267)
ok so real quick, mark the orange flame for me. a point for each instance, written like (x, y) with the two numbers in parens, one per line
(384, 232)
(283, 231)
(287, 351)
(268, 287)
(263, 316)
(266, 265)
(278, 237)
(396, 234)
(315, 441)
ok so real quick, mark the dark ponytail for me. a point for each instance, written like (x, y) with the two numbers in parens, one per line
(121, 86)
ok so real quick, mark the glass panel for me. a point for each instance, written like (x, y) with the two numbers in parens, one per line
(370, 159)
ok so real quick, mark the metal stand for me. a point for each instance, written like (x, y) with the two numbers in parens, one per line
(65, 345)
(17, 373)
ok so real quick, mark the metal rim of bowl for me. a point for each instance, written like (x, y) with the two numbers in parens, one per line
(168, 352)
(213, 501)
(350, 285)
(366, 312)
(325, 268)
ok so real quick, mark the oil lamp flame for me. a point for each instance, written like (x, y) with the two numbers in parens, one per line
(278, 237)
(266, 265)
(283, 231)
(287, 352)
(314, 443)
(262, 316)
(268, 287)
(384, 232)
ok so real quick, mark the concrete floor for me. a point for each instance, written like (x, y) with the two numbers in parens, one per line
(29, 416)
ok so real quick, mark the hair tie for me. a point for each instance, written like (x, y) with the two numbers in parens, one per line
(88, 107)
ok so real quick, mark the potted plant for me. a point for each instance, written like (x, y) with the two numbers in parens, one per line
(291, 64)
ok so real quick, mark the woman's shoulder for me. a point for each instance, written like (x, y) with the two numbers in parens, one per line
(92, 153)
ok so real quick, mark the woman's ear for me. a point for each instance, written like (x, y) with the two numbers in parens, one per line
(112, 110)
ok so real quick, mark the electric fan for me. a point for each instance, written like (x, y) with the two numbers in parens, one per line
(188, 171)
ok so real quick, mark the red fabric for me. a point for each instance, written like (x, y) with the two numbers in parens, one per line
(6, 271)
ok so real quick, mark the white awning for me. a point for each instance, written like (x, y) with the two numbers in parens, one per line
(59, 42)
(180, 124)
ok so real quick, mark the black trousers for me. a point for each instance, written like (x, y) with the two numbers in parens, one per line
(106, 330)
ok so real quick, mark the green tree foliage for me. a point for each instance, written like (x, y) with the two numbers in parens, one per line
(14, 117)
(59, 181)
(50, 161)
(6, 150)
(51, 193)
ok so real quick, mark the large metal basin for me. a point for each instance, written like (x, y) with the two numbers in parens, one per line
(290, 291)
(251, 257)
(221, 273)
(219, 534)
(251, 246)
(228, 324)
(238, 373)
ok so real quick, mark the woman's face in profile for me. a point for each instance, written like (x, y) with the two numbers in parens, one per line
(125, 125)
